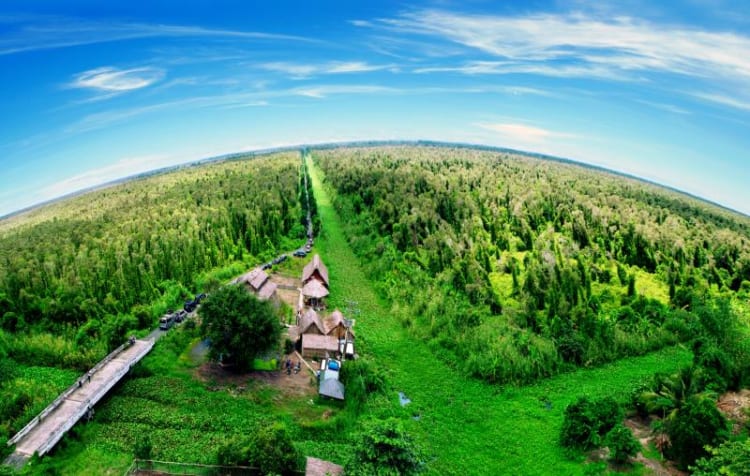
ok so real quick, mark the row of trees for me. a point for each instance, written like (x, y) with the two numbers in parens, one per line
(520, 267)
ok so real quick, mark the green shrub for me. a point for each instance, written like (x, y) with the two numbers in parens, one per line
(143, 447)
(361, 378)
(696, 425)
(384, 448)
(621, 443)
(730, 459)
(270, 448)
(586, 422)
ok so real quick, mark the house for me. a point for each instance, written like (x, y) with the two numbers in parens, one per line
(310, 323)
(315, 270)
(313, 292)
(317, 345)
(258, 283)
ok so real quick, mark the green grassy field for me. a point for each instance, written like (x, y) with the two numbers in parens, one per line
(467, 426)
(186, 418)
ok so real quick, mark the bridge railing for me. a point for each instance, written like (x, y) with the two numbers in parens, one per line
(87, 405)
(63, 396)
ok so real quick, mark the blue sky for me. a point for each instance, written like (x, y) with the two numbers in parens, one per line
(92, 91)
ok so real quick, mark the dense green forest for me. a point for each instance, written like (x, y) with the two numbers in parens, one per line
(516, 268)
(508, 268)
(77, 275)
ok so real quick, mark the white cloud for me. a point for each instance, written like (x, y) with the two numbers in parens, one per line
(303, 71)
(113, 80)
(524, 133)
(332, 89)
(724, 100)
(122, 168)
(41, 33)
(569, 44)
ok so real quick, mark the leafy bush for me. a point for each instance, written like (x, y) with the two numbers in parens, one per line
(731, 458)
(696, 425)
(586, 422)
(621, 443)
(270, 448)
(384, 448)
(361, 378)
(143, 447)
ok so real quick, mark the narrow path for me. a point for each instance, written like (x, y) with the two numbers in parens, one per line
(467, 426)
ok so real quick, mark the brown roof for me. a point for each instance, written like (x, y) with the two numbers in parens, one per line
(319, 467)
(310, 318)
(312, 266)
(314, 289)
(255, 278)
(268, 290)
(333, 321)
(315, 341)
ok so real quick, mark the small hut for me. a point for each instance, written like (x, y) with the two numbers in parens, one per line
(315, 270)
(310, 323)
(320, 346)
(314, 291)
(258, 283)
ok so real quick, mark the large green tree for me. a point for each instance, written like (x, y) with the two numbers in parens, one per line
(239, 326)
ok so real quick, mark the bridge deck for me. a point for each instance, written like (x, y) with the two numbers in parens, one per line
(60, 416)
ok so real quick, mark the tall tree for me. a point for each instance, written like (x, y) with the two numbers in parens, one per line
(239, 326)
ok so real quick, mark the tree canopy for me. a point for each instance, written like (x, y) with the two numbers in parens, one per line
(239, 326)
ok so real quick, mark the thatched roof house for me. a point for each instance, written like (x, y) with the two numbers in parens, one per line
(317, 345)
(337, 326)
(310, 323)
(258, 282)
(315, 269)
(314, 289)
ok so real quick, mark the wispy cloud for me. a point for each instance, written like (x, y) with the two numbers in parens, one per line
(332, 89)
(24, 34)
(734, 102)
(122, 168)
(573, 44)
(524, 133)
(303, 71)
(113, 80)
(664, 107)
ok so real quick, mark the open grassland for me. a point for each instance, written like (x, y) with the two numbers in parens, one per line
(465, 425)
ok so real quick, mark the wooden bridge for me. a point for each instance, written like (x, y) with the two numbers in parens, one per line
(47, 428)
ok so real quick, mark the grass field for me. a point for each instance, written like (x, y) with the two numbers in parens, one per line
(467, 426)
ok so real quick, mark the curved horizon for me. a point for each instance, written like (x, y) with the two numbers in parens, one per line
(97, 93)
(363, 143)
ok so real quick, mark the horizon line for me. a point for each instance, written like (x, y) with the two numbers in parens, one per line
(252, 153)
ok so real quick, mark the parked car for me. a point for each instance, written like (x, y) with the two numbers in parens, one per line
(300, 253)
(180, 315)
(190, 306)
(266, 266)
(166, 321)
(200, 297)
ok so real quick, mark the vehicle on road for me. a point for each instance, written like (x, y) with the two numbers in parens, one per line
(166, 321)
(300, 253)
(180, 315)
(190, 306)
